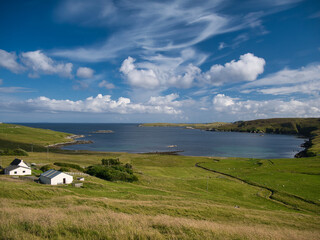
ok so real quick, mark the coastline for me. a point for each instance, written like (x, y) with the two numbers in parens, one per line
(74, 142)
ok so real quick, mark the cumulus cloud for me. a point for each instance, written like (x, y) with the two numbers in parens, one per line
(39, 63)
(252, 109)
(164, 75)
(99, 104)
(139, 77)
(107, 85)
(174, 74)
(85, 72)
(303, 80)
(247, 68)
(9, 61)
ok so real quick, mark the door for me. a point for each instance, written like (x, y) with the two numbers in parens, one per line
(64, 181)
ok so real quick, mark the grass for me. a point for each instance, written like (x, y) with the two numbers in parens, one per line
(228, 198)
(170, 200)
(16, 136)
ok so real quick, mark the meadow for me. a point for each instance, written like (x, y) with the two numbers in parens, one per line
(176, 197)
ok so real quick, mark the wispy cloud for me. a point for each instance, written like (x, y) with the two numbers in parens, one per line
(15, 89)
(302, 80)
(151, 26)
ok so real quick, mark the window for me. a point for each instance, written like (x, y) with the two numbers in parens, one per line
(15, 172)
(24, 171)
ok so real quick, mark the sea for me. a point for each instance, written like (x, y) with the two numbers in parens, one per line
(133, 138)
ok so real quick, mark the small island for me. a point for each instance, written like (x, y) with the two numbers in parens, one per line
(103, 131)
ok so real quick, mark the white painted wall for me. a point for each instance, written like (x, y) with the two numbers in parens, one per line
(57, 179)
(20, 171)
(23, 164)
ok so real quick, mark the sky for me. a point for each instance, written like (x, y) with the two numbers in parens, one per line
(136, 61)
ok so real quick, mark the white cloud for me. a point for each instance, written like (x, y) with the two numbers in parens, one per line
(85, 72)
(247, 68)
(14, 89)
(105, 84)
(251, 109)
(139, 77)
(39, 63)
(303, 80)
(222, 45)
(9, 61)
(163, 74)
(171, 72)
(99, 104)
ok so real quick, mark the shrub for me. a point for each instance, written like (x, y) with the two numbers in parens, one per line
(64, 169)
(69, 165)
(113, 173)
(45, 168)
(110, 161)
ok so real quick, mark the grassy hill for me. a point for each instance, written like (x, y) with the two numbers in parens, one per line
(176, 197)
(173, 199)
(17, 136)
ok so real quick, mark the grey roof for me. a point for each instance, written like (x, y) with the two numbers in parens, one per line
(50, 173)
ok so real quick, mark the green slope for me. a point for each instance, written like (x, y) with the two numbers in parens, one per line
(17, 136)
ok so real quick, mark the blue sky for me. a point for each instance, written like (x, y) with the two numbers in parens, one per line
(158, 61)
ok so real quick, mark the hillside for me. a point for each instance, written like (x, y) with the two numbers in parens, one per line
(173, 199)
(36, 139)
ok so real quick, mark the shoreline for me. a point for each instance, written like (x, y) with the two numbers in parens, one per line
(74, 142)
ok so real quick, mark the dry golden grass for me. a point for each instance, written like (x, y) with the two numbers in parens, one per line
(65, 220)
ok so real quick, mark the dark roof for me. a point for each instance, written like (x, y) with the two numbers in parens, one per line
(17, 161)
(51, 173)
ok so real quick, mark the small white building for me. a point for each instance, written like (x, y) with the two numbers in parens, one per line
(54, 177)
(18, 167)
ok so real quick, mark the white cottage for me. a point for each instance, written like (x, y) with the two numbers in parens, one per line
(54, 177)
(18, 167)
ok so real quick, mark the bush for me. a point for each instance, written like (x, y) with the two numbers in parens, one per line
(69, 165)
(113, 173)
(45, 168)
(64, 169)
(13, 152)
(110, 161)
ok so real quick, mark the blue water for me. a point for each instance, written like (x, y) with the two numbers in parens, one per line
(134, 139)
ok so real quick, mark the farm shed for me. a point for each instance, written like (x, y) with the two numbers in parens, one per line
(54, 177)
(18, 167)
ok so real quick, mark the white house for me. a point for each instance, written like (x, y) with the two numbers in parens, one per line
(18, 167)
(54, 177)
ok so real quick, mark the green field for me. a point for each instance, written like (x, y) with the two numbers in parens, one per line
(176, 197)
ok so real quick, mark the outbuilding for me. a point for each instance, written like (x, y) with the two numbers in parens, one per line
(54, 177)
(18, 168)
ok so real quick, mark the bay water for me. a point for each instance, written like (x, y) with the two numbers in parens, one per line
(193, 142)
